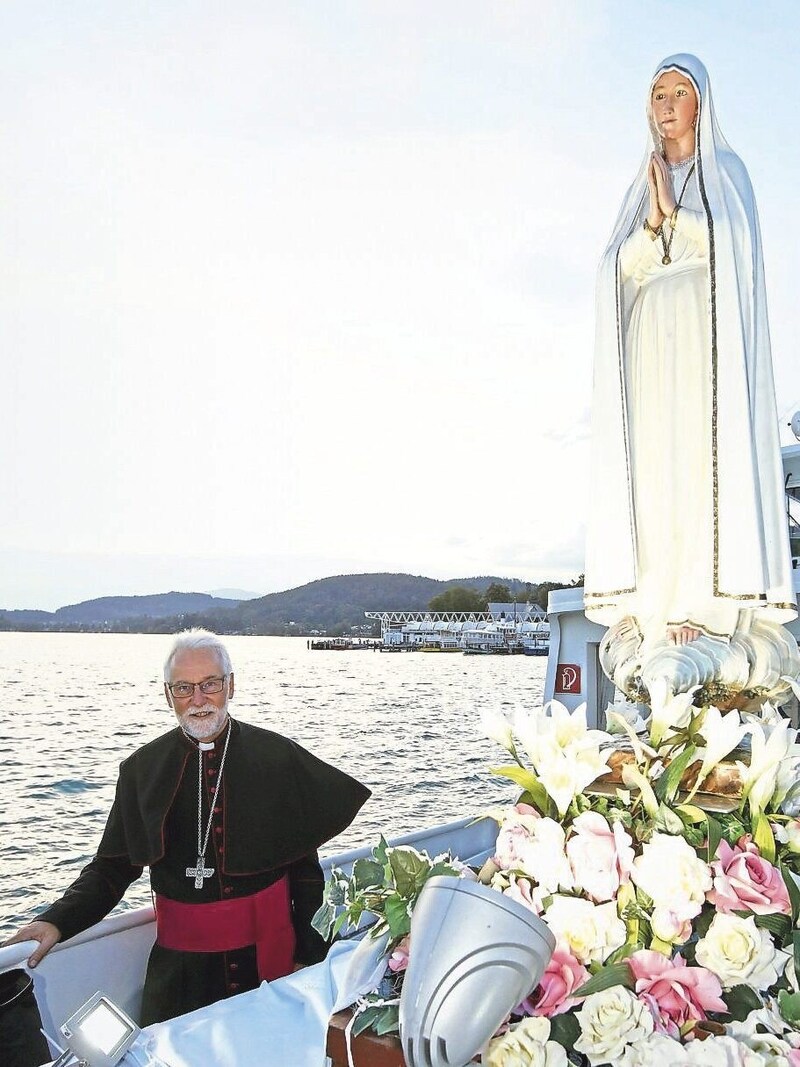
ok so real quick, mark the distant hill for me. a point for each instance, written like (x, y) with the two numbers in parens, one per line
(112, 609)
(23, 619)
(334, 604)
(233, 594)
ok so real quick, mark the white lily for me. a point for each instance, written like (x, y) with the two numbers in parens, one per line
(623, 711)
(545, 731)
(670, 711)
(567, 774)
(794, 683)
(786, 778)
(634, 778)
(571, 729)
(770, 747)
(641, 751)
(497, 728)
(722, 733)
(536, 732)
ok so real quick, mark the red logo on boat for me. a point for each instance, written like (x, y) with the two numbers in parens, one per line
(568, 678)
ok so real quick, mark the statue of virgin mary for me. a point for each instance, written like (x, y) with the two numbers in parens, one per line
(687, 556)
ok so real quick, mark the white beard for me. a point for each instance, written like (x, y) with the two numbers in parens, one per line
(205, 722)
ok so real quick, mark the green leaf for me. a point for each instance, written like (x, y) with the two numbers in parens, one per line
(341, 920)
(409, 870)
(389, 1021)
(763, 837)
(668, 821)
(623, 952)
(667, 785)
(367, 874)
(442, 868)
(714, 836)
(616, 974)
(691, 814)
(323, 919)
(528, 781)
(368, 1019)
(396, 914)
(565, 1029)
(381, 850)
(703, 921)
(796, 953)
(793, 889)
(664, 947)
(695, 837)
(789, 1004)
(741, 1000)
(336, 893)
(778, 925)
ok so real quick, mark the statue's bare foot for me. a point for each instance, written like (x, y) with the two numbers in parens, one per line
(682, 635)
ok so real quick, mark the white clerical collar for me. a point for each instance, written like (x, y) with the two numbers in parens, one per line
(205, 746)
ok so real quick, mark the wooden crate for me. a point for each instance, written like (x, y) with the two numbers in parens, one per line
(369, 1050)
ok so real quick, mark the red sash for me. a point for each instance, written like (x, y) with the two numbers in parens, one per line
(263, 919)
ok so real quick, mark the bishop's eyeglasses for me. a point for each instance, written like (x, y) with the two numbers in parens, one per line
(208, 687)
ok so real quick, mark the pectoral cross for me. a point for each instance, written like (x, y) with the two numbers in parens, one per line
(199, 872)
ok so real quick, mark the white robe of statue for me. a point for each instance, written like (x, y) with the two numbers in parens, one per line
(687, 521)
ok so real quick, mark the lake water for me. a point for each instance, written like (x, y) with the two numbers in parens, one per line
(74, 705)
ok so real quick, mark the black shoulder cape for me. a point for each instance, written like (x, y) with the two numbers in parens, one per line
(281, 802)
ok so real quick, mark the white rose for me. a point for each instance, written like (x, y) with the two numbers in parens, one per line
(737, 952)
(592, 931)
(609, 1021)
(657, 1050)
(761, 1032)
(525, 1045)
(721, 1052)
(670, 871)
(543, 856)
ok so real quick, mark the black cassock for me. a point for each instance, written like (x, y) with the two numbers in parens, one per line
(276, 805)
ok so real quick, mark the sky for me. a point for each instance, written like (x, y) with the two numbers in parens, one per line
(298, 289)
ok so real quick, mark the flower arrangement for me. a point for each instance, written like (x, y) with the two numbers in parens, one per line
(665, 871)
(383, 887)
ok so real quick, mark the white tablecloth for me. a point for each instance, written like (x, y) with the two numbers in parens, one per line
(280, 1024)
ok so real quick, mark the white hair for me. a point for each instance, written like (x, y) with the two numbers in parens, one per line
(196, 638)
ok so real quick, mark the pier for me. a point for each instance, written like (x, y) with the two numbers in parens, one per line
(503, 629)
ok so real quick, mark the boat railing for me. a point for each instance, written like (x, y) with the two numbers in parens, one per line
(112, 955)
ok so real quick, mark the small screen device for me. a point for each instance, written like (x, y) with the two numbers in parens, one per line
(100, 1033)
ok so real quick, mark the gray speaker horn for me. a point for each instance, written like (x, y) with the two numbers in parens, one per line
(475, 954)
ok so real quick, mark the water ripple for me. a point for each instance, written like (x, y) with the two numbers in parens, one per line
(407, 726)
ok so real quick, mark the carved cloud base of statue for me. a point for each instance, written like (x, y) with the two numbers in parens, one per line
(740, 672)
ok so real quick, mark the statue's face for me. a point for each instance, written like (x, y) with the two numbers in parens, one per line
(674, 104)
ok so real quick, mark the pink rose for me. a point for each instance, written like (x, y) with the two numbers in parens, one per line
(512, 838)
(743, 880)
(398, 961)
(674, 992)
(601, 857)
(521, 890)
(553, 995)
